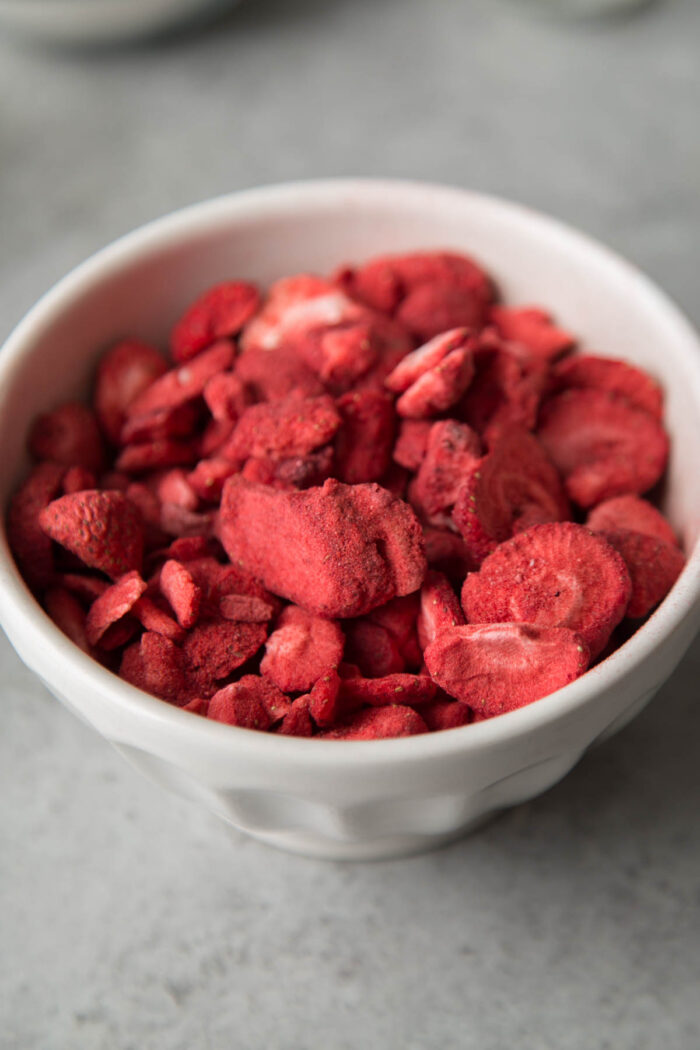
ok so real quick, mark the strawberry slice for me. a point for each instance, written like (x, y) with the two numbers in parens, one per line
(602, 445)
(378, 723)
(185, 383)
(68, 435)
(587, 371)
(439, 608)
(654, 566)
(112, 605)
(221, 311)
(123, 374)
(301, 647)
(631, 514)
(498, 667)
(532, 328)
(103, 529)
(512, 488)
(554, 575)
(283, 429)
(363, 444)
(28, 541)
(453, 451)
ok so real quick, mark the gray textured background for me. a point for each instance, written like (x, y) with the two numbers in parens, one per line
(131, 921)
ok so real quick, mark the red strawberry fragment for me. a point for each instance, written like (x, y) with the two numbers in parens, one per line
(221, 311)
(654, 566)
(103, 529)
(68, 435)
(533, 328)
(28, 541)
(630, 513)
(123, 374)
(251, 702)
(69, 616)
(300, 649)
(378, 723)
(182, 593)
(617, 377)
(112, 605)
(154, 664)
(439, 608)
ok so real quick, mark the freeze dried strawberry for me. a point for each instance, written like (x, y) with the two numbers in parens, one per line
(300, 648)
(452, 454)
(298, 472)
(216, 580)
(160, 425)
(445, 714)
(68, 435)
(155, 455)
(273, 375)
(174, 487)
(245, 609)
(29, 543)
(498, 667)
(533, 328)
(217, 649)
(440, 388)
(185, 383)
(347, 354)
(324, 699)
(446, 552)
(77, 479)
(88, 588)
(431, 309)
(198, 706)
(297, 722)
(439, 608)
(373, 649)
(412, 442)
(226, 396)
(221, 311)
(116, 635)
(630, 513)
(399, 617)
(123, 374)
(103, 529)
(251, 702)
(555, 575)
(178, 521)
(283, 429)
(182, 593)
(602, 445)
(425, 358)
(363, 443)
(113, 604)
(69, 616)
(186, 548)
(297, 303)
(339, 551)
(617, 377)
(507, 387)
(154, 664)
(391, 689)
(513, 487)
(153, 616)
(208, 477)
(378, 723)
(654, 566)
(149, 509)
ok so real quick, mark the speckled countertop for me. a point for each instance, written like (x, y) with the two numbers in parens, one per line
(133, 922)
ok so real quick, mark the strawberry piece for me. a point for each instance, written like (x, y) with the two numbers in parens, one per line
(245, 609)
(103, 529)
(617, 377)
(533, 328)
(68, 435)
(378, 723)
(602, 445)
(178, 521)
(68, 615)
(77, 479)
(187, 548)
(299, 472)
(555, 575)
(154, 664)
(30, 545)
(339, 551)
(198, 706)
(373, 649)
(160, 425)
(251, 702)
(363, 443)
(447, 553)
(216, 581)
(440, 388)
(412, 442)
(513, 487)
(300, 648)
(347, 354)
(155, 455)
(293, 307)
(409, 689)
(149, 509)
(507, 387)
(399, 617)
(183, 384)
(174, 487)
(274, 375)
(630, 513)
(182, 593)
(208, 477)
(452, 454)
(226, 396)
(499, 667)
(297, 722)
(324, 699)
(221, 311)
(654, 566)
(112, 605)
(153, 616)
(123, 374)
(217, 649)
(85, 587)
(439, 608)
(284, 429)
(425, 359)
(445, 714)
(431, 309)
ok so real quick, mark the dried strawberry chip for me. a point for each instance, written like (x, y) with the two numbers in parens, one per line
(419, 362)
(399, 617)
(103, 529)
(412, 442)
(154, 617)
(113, 604)
(283, 429)
(198, 706)
(77, 479)
(297, 722)
(154, 664)
(182, 593)
(295, 307)
(219, 648)
(373, 649)
(174, 487)
(440, 388)
(273, 375)
(453, 452)
(617, 377)
(447, 553)
(399, 688)
(555, 575)
(69, 616)
(300, 648)
(364, 441)
(445, 714)
(507, 387)
(534, 329)
(512, 488)
(187, 548)
(29, 543)
(347, 354)
(324, 699)
(123, 374)
(431, 309)
(245, 609)
(221, 311)
(68, 435)
(498, 667)
(226, 396)
(116, 635)
(83, 586)
(154, 455)
(378, 723)
(178, 521)
(185, 383)
(439, 608)
(160, 425)
(602, 445)
(630, 513)
(251, 702)
(654, 566)
(149, 508)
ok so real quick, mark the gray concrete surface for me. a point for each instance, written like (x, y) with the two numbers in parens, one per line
(129, 921)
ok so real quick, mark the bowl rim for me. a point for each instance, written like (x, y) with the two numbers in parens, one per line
(18, 606)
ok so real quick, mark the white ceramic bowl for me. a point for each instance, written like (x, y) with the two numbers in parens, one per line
(350, 799)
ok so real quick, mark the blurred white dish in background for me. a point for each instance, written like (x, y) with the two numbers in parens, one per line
(101, 21)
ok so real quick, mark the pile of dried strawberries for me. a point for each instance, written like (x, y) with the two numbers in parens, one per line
(372, 505)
